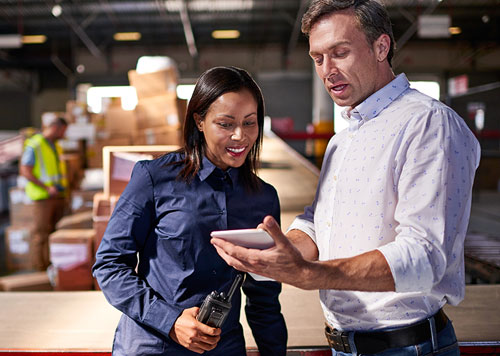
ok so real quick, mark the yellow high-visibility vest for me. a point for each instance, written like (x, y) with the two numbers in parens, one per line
(48, 168)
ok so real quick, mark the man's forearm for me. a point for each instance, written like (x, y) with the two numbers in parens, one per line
(27, 173)
(365, 272)
(304, 244)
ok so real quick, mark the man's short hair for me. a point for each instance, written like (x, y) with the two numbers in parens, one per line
(60, 121)
(372, 16)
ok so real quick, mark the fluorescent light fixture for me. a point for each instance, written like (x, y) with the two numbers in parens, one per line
(185, 91)
(34, 39)
(11, 41)
(434, 26)
(127, 94)
(455, 30)
(127, 36)
(225, 34)
(210, 5)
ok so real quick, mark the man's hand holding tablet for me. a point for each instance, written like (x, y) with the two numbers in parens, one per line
(249, 238)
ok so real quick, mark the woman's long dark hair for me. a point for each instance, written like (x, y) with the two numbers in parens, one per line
(211, 85)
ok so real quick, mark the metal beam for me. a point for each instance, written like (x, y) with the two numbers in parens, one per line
(188, 31)
(296, 30)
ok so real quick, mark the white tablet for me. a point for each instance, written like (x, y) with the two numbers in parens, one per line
(250, 238)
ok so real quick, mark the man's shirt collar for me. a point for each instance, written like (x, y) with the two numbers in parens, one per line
(375, 103)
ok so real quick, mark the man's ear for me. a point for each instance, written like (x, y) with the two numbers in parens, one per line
(199, 122)
(381, 47)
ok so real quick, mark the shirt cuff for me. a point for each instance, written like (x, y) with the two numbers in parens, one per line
(412, 272)
(162, 316)
(303, 225)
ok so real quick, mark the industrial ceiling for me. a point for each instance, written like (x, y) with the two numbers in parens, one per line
(71, 25)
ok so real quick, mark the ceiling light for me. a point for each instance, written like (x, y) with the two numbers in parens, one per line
(127, 36)
(434, 26)
(485, 18)
(56, 10)
(80, 68)
(225, 34)
(34, 39)
(11, 41)
(455, 30)
(210, 5)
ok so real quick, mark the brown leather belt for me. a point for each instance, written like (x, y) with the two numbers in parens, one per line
(378, 341)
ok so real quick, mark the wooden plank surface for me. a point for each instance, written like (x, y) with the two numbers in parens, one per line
(85, 321)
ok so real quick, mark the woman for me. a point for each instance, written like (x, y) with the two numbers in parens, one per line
(155, 262)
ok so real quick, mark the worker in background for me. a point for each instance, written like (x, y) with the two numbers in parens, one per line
(46, 186)
(383, 240)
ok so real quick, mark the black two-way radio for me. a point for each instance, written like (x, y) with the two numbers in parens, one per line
(216, 306)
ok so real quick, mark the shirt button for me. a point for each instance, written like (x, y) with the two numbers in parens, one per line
(214, 272)
(351, 135)
(335, 177)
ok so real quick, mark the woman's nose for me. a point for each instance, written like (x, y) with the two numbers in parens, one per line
(237, 133)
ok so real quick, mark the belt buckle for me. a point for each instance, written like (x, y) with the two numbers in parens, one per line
(337, 340)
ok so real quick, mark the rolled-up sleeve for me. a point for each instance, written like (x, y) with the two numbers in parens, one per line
(434, 196)
(116, 259)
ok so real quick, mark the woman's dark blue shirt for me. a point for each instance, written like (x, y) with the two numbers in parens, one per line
(155, 258)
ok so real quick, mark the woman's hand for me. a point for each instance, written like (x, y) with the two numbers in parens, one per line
(193, 335)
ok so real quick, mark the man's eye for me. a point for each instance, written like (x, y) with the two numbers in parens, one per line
(318, 60)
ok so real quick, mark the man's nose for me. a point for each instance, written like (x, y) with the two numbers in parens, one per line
(329, 69)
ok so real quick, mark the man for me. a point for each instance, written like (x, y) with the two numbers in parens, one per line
(383, 239)
(46, 186)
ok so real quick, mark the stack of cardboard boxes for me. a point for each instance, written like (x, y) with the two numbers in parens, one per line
(155, 121)
(18, 249)
(159, 113)
(18, 233)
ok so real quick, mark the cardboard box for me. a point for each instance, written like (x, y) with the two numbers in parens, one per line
(81, 200)
(20, 207)
(103, 208)
(74, 169)
(158, 110)
(76, 111)
(165, 135)
(94, 151)
(118, 162)
(18, 248)
(71, 253)
(81, 220)
(33, 281)
(119, 121)
(155, 83)
(81, 131)
(181, 110)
